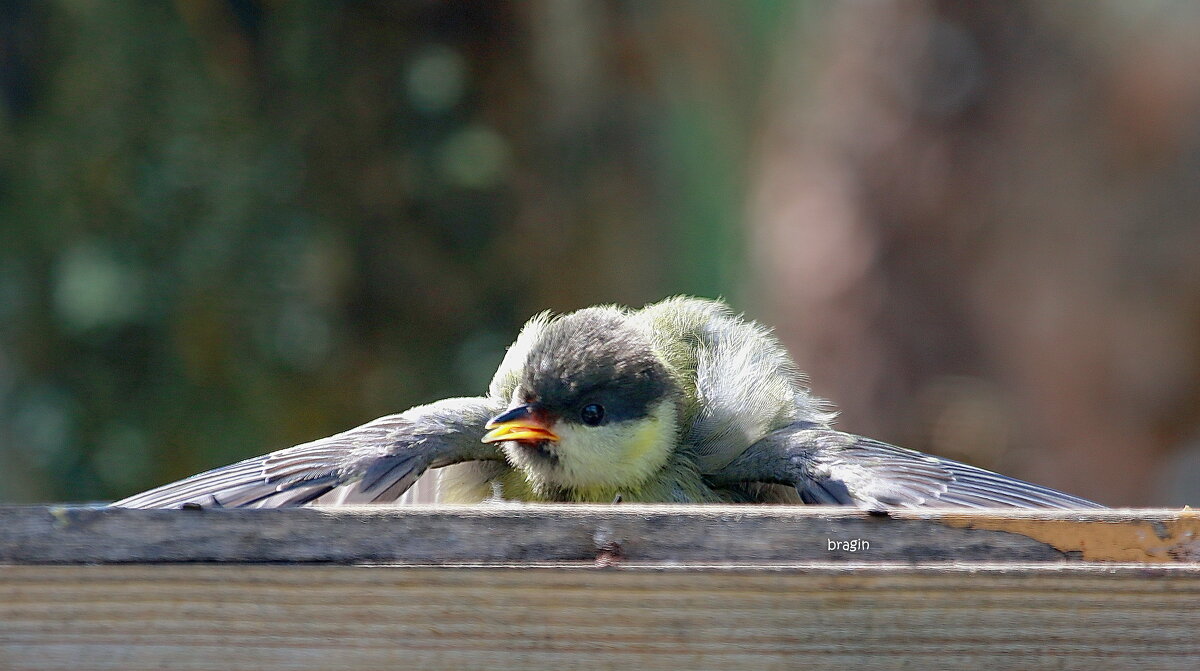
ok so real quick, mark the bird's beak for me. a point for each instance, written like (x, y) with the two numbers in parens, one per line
(524, 422)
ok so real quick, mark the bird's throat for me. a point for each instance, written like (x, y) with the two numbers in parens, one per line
(539, 450)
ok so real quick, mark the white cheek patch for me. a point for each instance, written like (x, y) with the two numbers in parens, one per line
(616, 455)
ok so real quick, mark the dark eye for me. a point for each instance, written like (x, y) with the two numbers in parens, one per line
(592, 414)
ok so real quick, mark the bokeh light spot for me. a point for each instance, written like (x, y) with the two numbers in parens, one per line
(93, 288)
(436, 79)
(474, 157)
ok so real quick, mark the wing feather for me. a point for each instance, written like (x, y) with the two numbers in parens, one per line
(373, 463)
(828, 466)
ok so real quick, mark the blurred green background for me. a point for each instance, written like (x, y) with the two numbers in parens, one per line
(228, 226)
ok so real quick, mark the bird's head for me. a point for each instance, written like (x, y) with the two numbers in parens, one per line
(594, 411)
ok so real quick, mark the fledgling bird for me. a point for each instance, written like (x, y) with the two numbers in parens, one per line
(682, 401)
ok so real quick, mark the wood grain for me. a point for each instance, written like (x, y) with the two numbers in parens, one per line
(596, 587)
(508, 533)
(322, 617)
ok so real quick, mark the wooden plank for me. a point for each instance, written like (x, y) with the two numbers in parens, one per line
(646, 587)
(205, 616)
(558, 533)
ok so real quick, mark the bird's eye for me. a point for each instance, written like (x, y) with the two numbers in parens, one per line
(592, 414)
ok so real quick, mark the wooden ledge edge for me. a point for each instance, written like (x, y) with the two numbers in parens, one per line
(737, 535)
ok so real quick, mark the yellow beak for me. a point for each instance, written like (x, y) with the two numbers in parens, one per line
(520, 423)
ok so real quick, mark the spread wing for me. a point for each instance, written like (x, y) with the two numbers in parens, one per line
(373, 463)
(831, 467)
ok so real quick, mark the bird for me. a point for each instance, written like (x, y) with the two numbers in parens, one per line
(680, 401)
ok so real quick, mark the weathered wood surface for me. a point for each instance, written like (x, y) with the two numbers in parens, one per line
(554, 533)
(580, 587)
(1072, 616)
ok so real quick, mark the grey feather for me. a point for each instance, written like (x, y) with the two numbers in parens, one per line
(373, 463)
(827, 466)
